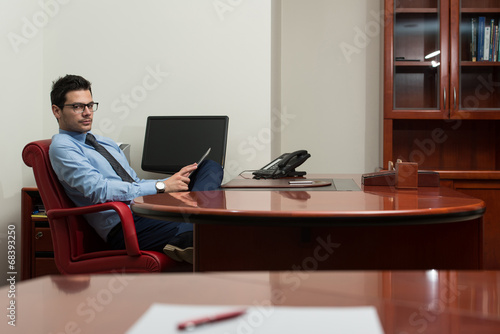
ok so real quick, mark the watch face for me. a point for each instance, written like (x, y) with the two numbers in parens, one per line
(160, 186)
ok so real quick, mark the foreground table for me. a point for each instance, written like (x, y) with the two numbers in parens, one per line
(406, 302)
(282, 229)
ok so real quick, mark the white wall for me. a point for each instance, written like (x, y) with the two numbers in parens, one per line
(205, 64)
(211, 62)
(207, 60)
(330, 83)
(21, 115)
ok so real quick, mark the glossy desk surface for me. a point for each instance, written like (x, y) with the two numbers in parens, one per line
(406, 301)
(371, 205)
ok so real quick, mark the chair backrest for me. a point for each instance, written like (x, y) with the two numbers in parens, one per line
(76, 236)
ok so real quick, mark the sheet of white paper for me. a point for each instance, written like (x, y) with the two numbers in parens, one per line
(164, 318)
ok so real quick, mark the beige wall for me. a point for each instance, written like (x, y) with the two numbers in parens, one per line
(144, 58)
(21, 113)
(205, 60)
(330, 81)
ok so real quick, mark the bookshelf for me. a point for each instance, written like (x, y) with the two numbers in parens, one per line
(441, 108)
(37, 251)
(476, 80)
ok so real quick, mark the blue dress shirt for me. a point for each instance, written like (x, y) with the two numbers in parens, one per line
(88, 178)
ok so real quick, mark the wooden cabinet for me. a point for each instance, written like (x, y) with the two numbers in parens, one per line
(441, 108)
(37, 251)
(429, 72)
(416, 41)
(474, 85)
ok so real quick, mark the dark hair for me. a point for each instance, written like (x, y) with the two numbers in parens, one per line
(66, 84)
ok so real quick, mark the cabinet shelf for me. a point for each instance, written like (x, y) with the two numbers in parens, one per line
(413, 63)
(486, 175)
(39, 219)
(480, 10)
(417, 10)
(480, 63)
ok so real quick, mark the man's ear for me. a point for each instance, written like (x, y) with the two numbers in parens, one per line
(56, 111)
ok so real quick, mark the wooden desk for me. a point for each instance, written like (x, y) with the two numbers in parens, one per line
(429, 302)
(310, 229)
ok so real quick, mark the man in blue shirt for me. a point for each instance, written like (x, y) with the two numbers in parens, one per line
(88, 177)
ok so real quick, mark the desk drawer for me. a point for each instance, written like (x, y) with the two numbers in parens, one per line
(42, 239)
(45, 266)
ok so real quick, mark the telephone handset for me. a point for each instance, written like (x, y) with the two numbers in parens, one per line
(283, 166)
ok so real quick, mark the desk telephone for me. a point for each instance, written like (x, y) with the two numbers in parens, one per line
(283, 166)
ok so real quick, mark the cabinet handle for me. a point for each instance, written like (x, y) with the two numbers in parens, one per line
(444, 98)
(39, 235)
(454, 98)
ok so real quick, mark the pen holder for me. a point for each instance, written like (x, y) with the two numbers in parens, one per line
(406, 175)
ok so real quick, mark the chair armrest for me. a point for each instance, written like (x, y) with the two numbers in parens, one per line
(126, 218)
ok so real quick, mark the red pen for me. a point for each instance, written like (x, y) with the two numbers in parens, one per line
(189, 324)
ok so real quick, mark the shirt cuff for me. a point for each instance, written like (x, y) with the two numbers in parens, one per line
(148, 188)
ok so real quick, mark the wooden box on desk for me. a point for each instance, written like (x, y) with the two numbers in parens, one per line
(406, 175)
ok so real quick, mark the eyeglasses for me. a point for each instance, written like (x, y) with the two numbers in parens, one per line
(78, 108)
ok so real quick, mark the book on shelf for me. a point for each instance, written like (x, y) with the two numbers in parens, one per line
(485, 43)
(492, 41)
(473, 44)
(495, 44)
(480, 37)
(39, 211)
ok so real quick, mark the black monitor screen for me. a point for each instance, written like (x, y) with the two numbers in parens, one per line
(172, 142)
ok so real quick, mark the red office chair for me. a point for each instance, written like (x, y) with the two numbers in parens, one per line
(78, 249)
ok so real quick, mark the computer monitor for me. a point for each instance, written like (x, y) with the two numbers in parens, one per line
(172, 142)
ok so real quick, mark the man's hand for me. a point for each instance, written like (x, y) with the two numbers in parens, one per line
(180, 180)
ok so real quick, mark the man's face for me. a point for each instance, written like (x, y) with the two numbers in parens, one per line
(71, 121)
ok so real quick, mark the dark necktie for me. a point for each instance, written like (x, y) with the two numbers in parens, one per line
(90, 140)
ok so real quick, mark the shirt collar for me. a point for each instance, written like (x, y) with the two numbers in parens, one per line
(76, 135)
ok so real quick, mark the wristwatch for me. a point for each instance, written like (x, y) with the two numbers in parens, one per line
(160, 187)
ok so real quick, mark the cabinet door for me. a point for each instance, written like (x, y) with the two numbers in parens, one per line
(489, 192)
(475, 69)
(416, 62)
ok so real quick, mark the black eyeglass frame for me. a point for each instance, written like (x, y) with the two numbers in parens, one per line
(92, 106)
